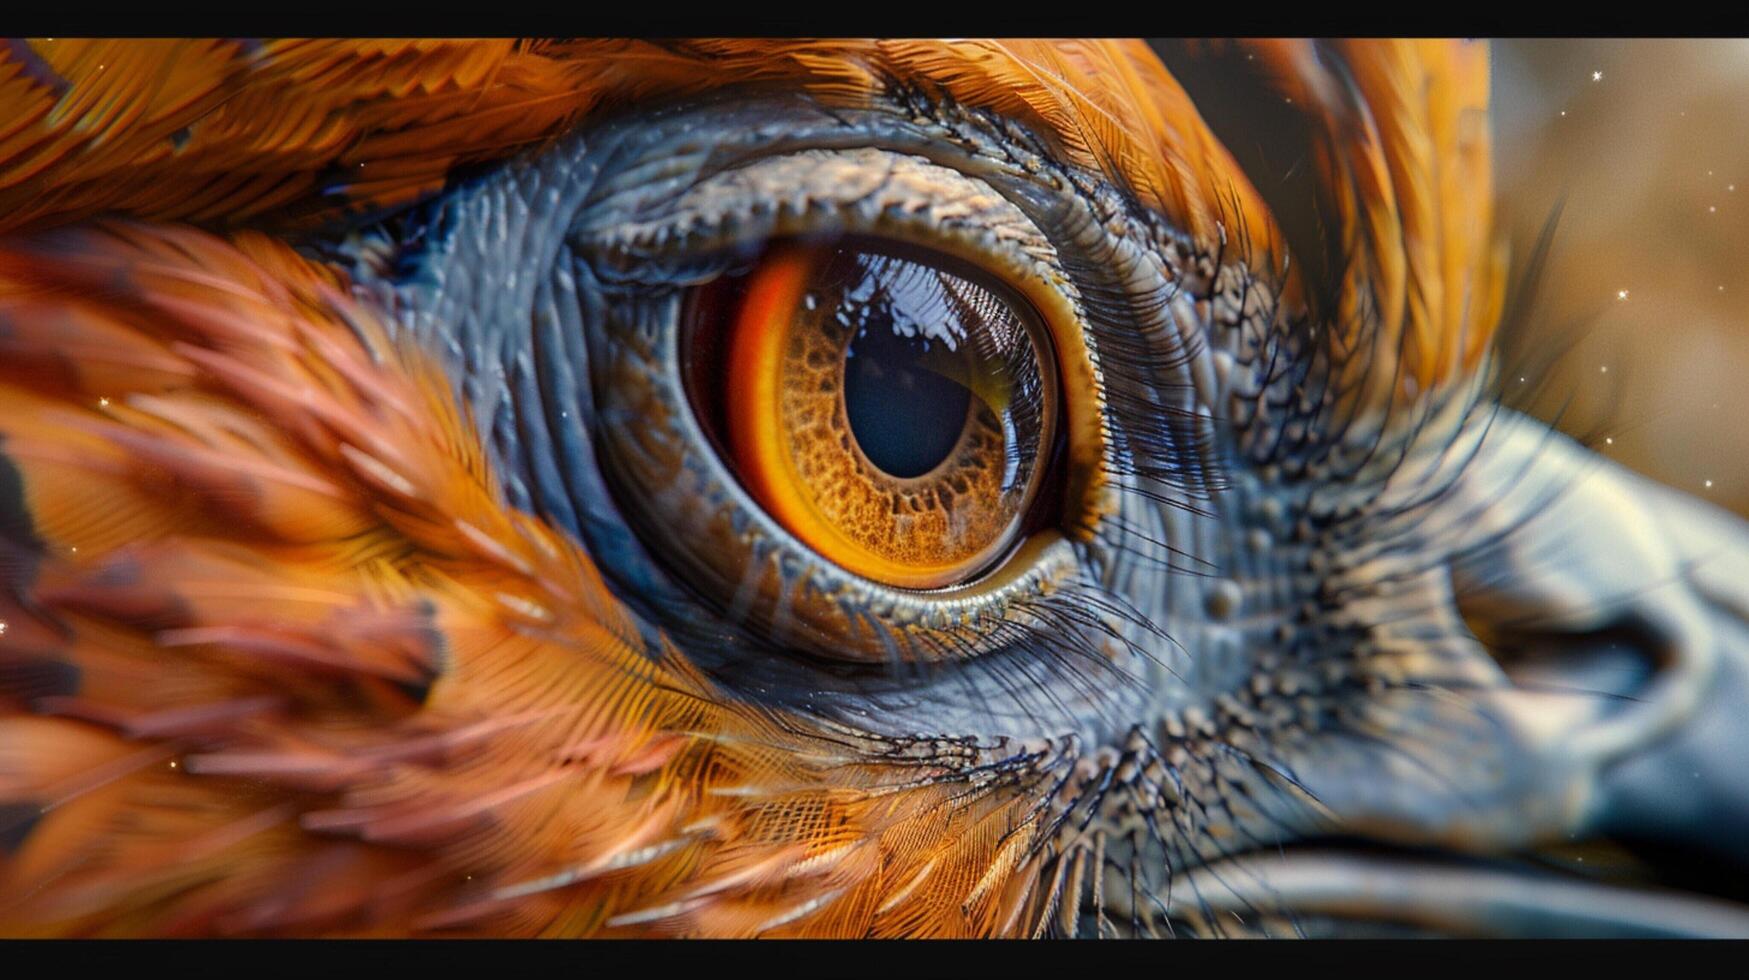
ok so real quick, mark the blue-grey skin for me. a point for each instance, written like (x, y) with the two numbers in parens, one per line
(1271, 638)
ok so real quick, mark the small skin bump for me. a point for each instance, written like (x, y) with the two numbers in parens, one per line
(1222, 600)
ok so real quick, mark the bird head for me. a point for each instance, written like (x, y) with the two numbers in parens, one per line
(793, 488)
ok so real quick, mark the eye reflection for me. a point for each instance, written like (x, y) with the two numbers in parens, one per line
(893, 411)
(905, 407)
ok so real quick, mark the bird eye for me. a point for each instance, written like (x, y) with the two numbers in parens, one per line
(892, 409)
(848, 399)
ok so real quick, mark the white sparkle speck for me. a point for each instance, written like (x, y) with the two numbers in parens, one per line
(1609, 440)
(2, 629)
(1597, 76)
(1709, 483)
(102, 403)
(1711, 209)
(1621, 294)
(1604, 369)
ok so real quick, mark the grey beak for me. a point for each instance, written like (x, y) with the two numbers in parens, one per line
(1638, 595)
(1689, 787)
(1601, 629)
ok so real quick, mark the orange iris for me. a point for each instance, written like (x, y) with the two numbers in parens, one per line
(893, 412)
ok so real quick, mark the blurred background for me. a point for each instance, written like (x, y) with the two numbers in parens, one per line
(1644, 297)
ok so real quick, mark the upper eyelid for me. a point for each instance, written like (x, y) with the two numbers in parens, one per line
(858, 191)
(745, 128)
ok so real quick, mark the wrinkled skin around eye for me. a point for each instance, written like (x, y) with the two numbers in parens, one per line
(1262, 631)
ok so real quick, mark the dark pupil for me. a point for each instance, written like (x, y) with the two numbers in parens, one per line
(906, 417)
